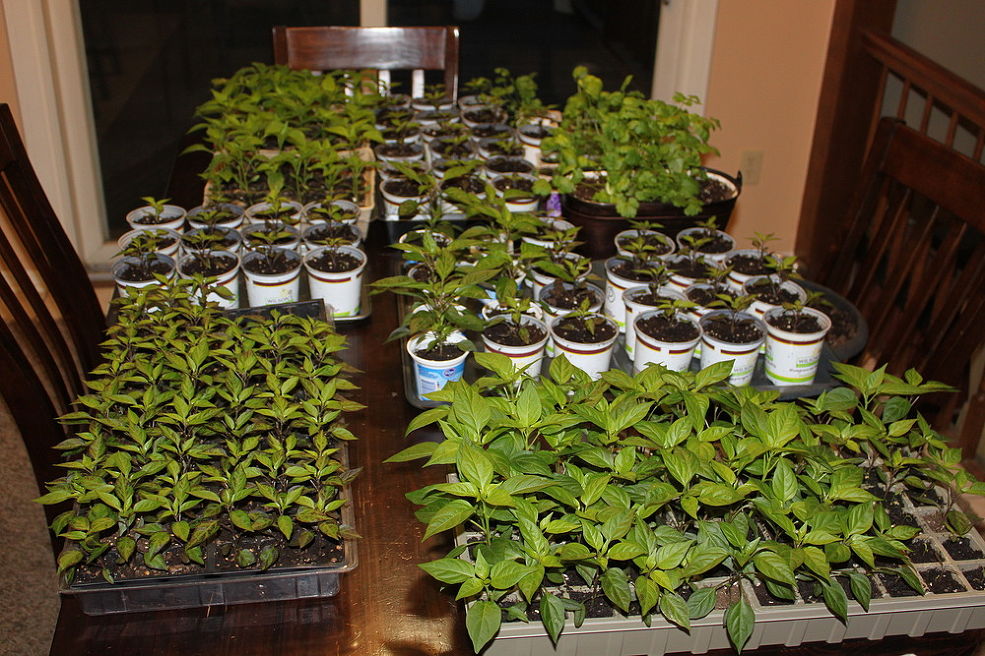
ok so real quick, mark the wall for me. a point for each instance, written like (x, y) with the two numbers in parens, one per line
(951, 32)
(8, 89)
(764, 87)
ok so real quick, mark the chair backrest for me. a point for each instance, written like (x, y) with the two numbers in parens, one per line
(52, 321)
(383, 49)
(912, 257)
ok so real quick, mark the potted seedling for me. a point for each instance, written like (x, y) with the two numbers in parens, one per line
(732, 334)
(157, 214)
(335, 272)
(272, 272)
(688, 265)
(709, 241)
(775, 289)
(207, 256)
(643, 298)
(141, 263)
(585, 337)
(636, 267)
(513, 331)
(656, 242)
(167, 241)
(331, 220)
(665, 336)
(215, 215)
(746, 263)
(401, 144)
(795, 337)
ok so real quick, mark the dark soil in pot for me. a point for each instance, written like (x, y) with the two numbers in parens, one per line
(399, 150)
(487, 130)
(402, 187)
(133, 271)
(508, 334)
(568, 298)
(898, 514)
(976, 578)
(771, 293)
(212, 264)
(450, 149)
(286, 239)
(576, 330)
(535, 131)
(791, 322)
(696, 269)
(654, 244)
(766, 599)
(393, 115)
(751, 265)
(437, 116)
(469, 183)
(439, 353)
(515, 183)
(153, 219)
(712, 191)
(509, 165)
(507, 148)
(321, 233)
(649, 299)
(282, 214)
(335, 261)
(941, 581)
(741, 331)
(338, 214)
(225, 242)
(673, 329)
(962, 549)
(923, 551)
(896, 586)
(626, 269)
(705, 296)
(272, 263)
(482, 115)
(399, 134)
(716, 243)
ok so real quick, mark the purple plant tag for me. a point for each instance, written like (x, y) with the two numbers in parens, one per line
(554, 204)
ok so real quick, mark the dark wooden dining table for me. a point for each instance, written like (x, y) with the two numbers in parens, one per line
(387, 605)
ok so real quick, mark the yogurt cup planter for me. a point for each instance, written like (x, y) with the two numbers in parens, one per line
(552, 293)
(517, 192)
(396, 192)
(135, 272)
(226, 215)
(269, 288)
(339, 289)
(615, 285)
(170, 217)
(482, 114)
(492, 147)
(531, 135)
(221, 265)
(168, 241)
(289, 212)
(743, 354)
(400, 152)
(337, 211)
(432, 375)
(427, 104)
(718, 247)
(674, 355)
(591, 357)
(634, 299)
(451, 148)
(548, 236)
(506, 165)
(661, 244)
(792, 356)
(685, 270)
(490, 130)
(540, 279)
(528, 357)
(317, 234)
(290, 240)
(436, 116)
(745, 263)
(389, 169)
(761, 307)
(222, 239)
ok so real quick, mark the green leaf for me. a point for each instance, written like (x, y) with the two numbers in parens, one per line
(784, 482)
(552, 615)
(474, 465)
(268, 556)
(674, 609)
(245, 558)
(739, 622)
(615, 585)
(482, 620)
(241, 520)
(507, 573)
(773, 566)
(449, 516)
(181, 530)
(202, 532)
(702, 558)
(701, 602)
(56, 496)
(448, 570)
(647, 593)
(286, 526)
(835, 599)
(414, 452)
(125, 547)
(68, 558)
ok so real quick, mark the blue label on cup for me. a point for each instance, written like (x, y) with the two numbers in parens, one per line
(431, 379)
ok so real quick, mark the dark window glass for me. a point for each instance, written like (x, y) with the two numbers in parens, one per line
(150, 65)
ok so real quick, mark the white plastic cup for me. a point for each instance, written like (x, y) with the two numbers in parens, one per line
(174, 218)
(297, 212)
(736, 278)
(792, 358)
(433, 375)
(125, 286)
(743, 355)
(634, 309)
(551, 312)
(171, 250)
(592, 358)
(760, 308)
(234, 222)
(340, 290)
(632, 233)
(675, 356)
(270, 289)
(715, 259)
(229, 280)
(528, 357)
(615, 287)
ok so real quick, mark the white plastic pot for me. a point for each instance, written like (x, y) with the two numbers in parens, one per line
(234, 222)
(552, 312)
(713, 258)
(792, 358)
(351, 209)
(632, 233)
(539, 279)
(270, 289)
(743, 356)
(760, 308)
(297, 212)
(250, 228)
(552, 223)
(229, 279)
(521, 202)
(737, 278)
(340, 290)
(593, 358)
(615, 286)
(679, 280)
(432, 375)
(531, 144)
(528, 357)
(392, 201)
(227, 232)
(634, 309)
(174, 218)
(171, 250)
(126, 286)
(675, 356)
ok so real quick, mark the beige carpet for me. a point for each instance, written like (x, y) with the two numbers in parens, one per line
(28, 596)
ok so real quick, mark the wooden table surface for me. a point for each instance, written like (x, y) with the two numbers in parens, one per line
(387, 605)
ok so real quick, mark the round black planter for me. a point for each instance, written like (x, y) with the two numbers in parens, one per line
(600, 223)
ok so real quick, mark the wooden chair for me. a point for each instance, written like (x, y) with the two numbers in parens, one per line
(382, 48)
(52, 321)
(912, 258)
